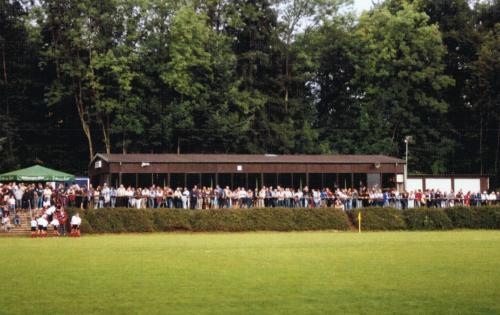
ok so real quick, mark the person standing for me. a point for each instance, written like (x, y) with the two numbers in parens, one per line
(42, 226)
(61, 217)
(55, 225)
(12, 204)
(34, 225)
(185, 198)
(6, 223)
(105, 198)
(75, 222)
(39, 193)
(90, 197)
(18, 194)
(194, 197)
(112, 196)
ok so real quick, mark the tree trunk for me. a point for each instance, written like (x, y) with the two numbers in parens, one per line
(497, 152)
(124, 148)
(481, 141)
(287, 71)
(4, 66)
(7, 105)
(105, 134)
(85, 125)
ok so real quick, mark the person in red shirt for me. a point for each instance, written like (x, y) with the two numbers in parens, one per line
(61, 217)
(418, 198)
(467, 199)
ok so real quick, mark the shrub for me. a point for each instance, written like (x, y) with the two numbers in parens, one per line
(165, 220)
(285, 219)
(232, 220)
(427, 219)
(378, 219)
(487, 217)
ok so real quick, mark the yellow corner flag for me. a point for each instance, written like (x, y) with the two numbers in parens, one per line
(359, 222)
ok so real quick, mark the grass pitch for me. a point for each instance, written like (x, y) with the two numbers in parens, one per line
(253, 273)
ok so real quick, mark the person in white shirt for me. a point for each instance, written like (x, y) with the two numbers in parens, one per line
(47, 194)
(105, 194)
(50, 212)
(34, 225)
(158, 198)
(55, 225)
(6, 223)
(492, 197)
(484, 197)
(145, 197)
(411, 200)
(185, 198)
(262, 195)
(75, 225)
(129, 193)
(42, 226)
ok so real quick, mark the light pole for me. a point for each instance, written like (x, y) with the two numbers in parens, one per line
(407, 141)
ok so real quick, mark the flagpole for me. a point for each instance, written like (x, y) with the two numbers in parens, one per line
(359, 222)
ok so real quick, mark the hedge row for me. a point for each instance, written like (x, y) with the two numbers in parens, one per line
(232, 220)
(380, 219)
(284, 219)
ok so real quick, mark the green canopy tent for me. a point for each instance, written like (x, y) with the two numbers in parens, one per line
(36, 173)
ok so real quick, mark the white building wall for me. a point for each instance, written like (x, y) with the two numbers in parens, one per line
(468, 184)
(443, 184)
(414, 184)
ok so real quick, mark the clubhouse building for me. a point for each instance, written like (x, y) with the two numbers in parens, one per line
(247, 170)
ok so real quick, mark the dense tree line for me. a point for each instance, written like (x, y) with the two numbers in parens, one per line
(250, 76)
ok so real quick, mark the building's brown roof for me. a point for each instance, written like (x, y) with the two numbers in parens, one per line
(247, 158)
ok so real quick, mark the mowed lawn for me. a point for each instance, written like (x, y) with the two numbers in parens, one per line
(253, 273)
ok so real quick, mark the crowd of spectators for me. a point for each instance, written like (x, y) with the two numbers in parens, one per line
(44, 200)
(44, 204)
(218, 197)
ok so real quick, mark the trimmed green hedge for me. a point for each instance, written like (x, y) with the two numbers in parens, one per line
(378, 219)
(285, 219)
(486, 217)
(232, 220)
(427, 219)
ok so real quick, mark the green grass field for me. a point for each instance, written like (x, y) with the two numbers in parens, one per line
(253, 273)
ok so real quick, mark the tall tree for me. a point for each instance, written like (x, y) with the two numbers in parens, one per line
(400, 72)
(485, 92)
(331, 51)
(294, 15)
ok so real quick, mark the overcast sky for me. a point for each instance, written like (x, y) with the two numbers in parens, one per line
(360, 5)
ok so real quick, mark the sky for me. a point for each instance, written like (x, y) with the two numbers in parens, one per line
(360, 5)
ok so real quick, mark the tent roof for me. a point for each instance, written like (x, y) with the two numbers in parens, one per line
(36, 173)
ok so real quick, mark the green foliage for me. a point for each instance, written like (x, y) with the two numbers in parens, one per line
(275, 76)
(120, 220)
(378, 219)
(381, 219)
(427, 219)
(400, 71)
(474, 217)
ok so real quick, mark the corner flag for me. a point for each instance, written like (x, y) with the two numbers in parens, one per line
(359, 222)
